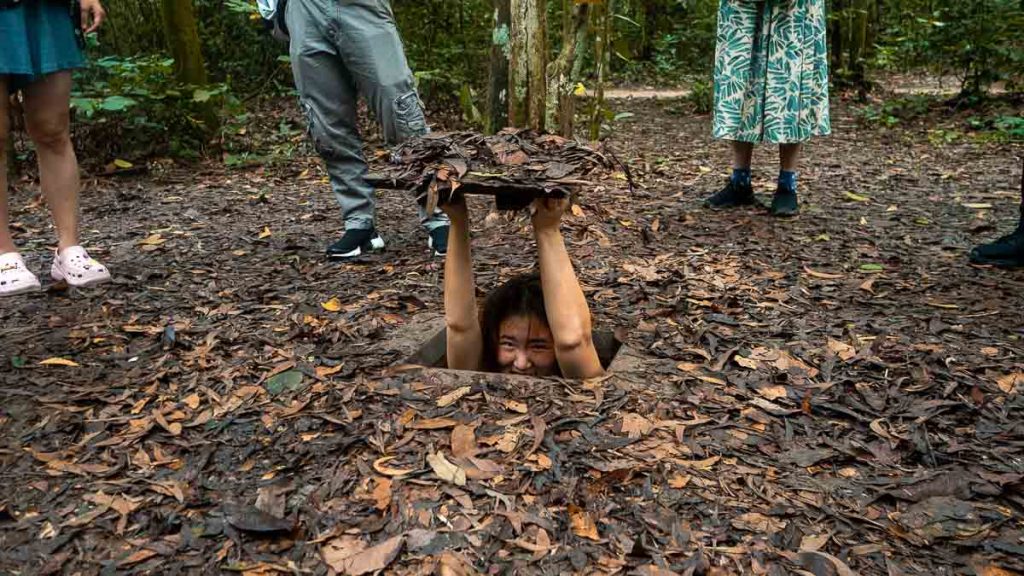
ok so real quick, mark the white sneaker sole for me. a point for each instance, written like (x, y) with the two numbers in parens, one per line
(376, 243)
(430, 246)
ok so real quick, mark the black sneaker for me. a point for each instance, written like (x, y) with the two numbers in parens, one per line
(437, 240)
(784, 202)
(1007, 251)
(732, 195)
(354, 243)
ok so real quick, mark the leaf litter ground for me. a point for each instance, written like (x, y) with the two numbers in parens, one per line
(833, 394)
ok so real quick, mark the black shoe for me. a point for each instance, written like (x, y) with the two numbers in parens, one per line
(1007, 251)
(732, 195)
(437, 240)
(784, 202)
(354, 243)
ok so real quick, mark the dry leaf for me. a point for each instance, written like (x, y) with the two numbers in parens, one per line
(325, 371)
(349, 555)
(582, 524)
(540, 547)
(120, 504)
(688, 366)
(382, 493)
(251, 519)
(516, 406)
(337, 550)
(699, 464)
(678, 481)
(272, 499)
(433, 424)
(635, 425)
(991, 570)
(841, 349)
(192, 401)
(451, 564)
(655, 570)
(152, 240)
(463, 441)
(773, 392)
(140, 556)
(379, 466)
(821, 563)
(757, 522)
(174, 428)
(59, 362)
(509, 441)
(823, 275)
(814, 543)
(746, 362)
(445, 470)
(1010, 382)
(453, 396)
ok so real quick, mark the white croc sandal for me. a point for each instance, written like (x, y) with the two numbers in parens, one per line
(15, 278)
(74, 266)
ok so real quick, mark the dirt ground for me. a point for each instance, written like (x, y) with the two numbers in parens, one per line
(836, 393)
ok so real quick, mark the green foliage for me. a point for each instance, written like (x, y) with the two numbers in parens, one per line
(994, 119)
(893, 112)
(702, 96)
(448, 46)
(136, 103)
(980, 41)
(663, 42)
(1000, 128)
(237, 49)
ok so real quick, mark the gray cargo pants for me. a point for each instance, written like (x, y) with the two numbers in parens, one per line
(340, 49)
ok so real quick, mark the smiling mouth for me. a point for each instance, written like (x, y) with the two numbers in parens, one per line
(521, 372)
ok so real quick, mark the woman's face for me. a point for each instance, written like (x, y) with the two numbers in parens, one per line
(525, 346)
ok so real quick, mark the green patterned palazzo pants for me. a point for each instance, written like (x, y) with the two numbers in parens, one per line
(771, 71)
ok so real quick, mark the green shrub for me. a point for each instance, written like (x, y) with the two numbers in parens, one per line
(136, 104)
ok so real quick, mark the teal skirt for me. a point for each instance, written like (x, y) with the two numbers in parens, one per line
(37, 38)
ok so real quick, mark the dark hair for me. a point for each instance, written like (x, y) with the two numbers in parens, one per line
(519, 296)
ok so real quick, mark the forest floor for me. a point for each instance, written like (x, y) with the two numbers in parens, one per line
(837, 393)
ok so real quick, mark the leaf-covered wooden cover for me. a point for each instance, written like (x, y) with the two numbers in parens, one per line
(514, 165)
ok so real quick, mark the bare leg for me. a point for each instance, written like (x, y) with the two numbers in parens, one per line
(789, 156)
(48, 120)
(6, 242)
(742, 154)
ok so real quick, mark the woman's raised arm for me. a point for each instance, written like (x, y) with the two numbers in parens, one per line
(465, 348)
(567, 310)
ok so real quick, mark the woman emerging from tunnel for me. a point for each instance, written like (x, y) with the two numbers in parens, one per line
(535, 324)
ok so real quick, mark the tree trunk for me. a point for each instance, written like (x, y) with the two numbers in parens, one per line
(498, 84)
(518, 78)
(602, 41)
(859, 47)
(538, 41)
(561, 104)
(528, 63)
(182, 35)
